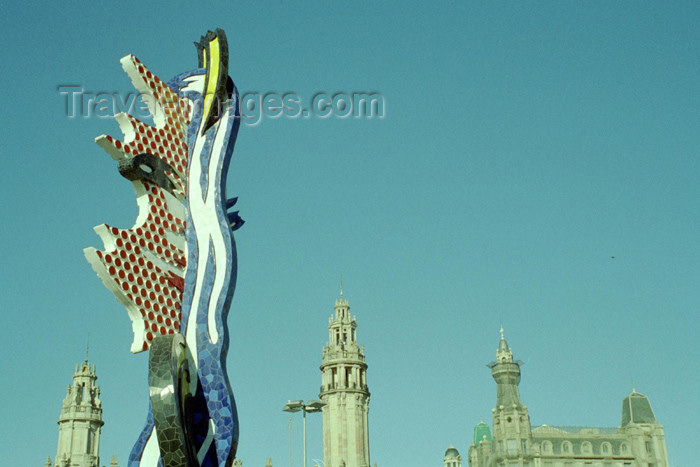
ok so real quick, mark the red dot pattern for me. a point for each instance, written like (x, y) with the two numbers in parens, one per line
(169, 141)
(156, 293)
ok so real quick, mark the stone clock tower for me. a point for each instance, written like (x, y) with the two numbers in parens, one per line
(344, 390)
(81, 421)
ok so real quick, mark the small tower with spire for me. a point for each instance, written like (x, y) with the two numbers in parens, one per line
(344, 390)
(511, 421)
(81, 421)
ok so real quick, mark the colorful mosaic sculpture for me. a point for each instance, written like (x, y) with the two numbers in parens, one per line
(175, 269)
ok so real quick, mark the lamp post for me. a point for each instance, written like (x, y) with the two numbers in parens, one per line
(290, 442)
(310, 406)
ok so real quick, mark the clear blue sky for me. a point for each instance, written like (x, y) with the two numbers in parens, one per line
(523, 146)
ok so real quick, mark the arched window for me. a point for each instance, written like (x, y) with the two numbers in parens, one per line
(606, 449)
(624, 448)
(586, 448)
(566, 448)
(546, 447)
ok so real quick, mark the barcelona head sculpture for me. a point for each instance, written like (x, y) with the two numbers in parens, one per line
(175, 269)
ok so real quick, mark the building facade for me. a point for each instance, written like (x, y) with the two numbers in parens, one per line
(344, 390)
(80, 422)
(637, 442)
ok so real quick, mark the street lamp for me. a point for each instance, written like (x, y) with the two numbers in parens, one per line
(310, 406)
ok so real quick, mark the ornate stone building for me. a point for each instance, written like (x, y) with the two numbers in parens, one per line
(344, 390)
(637, 442)
(80, 422)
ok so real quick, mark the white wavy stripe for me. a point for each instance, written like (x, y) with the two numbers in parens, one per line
(195, 170)
(217, 236)
(151, 452)
(208, 233)
(196, 83)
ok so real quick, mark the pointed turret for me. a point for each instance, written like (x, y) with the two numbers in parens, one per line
(503, 347)
(506, 372)
(511, 422)
(636, 409)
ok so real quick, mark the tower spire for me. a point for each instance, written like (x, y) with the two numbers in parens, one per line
(510, 417)
(503, 350)
(344, 390)
(506, 372)
(80, 422)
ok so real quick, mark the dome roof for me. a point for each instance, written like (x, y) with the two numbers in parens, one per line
(451, 453)
(482, 433)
